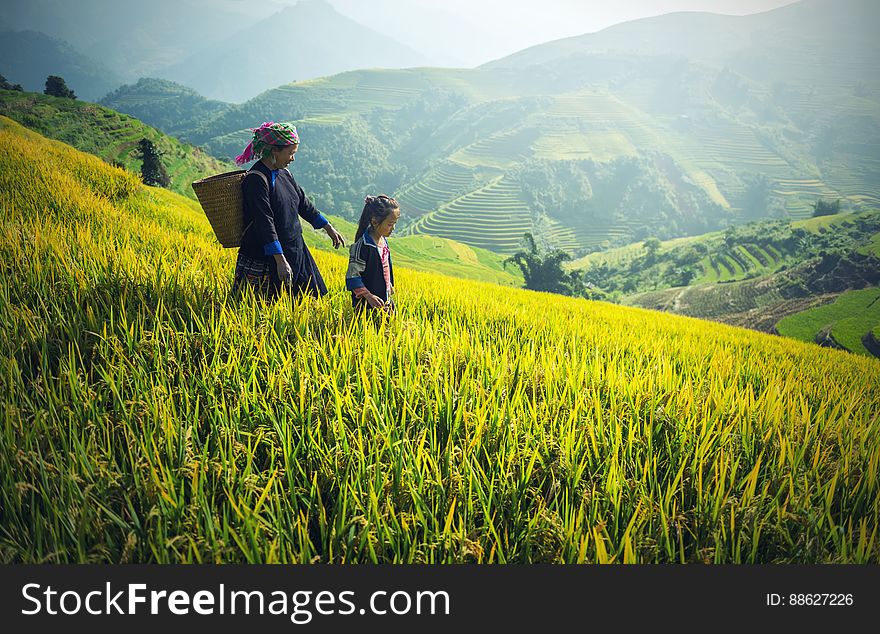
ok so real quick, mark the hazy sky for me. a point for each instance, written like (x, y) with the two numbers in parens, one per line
(472, 32)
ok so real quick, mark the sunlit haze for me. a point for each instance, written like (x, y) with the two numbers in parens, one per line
(471, 32)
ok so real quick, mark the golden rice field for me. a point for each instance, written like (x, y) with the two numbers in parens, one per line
(148, 417)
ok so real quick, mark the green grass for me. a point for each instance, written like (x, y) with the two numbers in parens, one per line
(853, 315)
(823, 223)
(499, 151)
(618, 255)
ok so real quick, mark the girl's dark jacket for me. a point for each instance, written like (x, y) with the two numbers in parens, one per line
(365, 269)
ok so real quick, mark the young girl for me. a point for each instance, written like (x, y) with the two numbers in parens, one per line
(370, 276)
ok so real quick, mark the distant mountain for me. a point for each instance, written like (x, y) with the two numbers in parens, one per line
(28, 57)
(172, 108)
(136, 38)
(307, 40)
(807, 40)
(465, 40)
(196, 40)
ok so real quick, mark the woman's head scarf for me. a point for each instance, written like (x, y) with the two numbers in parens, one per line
(267, 135)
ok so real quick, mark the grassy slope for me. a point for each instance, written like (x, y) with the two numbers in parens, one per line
(149, 418)
(848, 320)
(873, 247)
(108, 134)
(749, 297)
(625, 253)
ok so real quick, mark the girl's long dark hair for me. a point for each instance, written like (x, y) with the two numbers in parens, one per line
(378, 207)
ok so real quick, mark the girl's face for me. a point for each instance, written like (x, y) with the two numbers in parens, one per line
(386, 227)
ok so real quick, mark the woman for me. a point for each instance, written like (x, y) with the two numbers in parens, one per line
(272, 254)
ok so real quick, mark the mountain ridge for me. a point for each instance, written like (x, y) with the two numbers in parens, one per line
(263, 56)
(29, 57)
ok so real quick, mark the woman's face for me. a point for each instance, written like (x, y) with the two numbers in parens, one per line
(284, 156)
(386, 227)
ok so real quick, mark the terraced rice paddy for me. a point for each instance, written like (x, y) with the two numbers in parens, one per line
(706, 182)
(591, 233)
(355, 92)
(801, 194)
(620, 256)
(594, 125)
(501, 150)
(440, 185)
(742, 260)
(736, 147)
(562, 237)
(598, 146)
(599, 109)
(493, 217)
(734, 144)
(389, 89)
(857, 180)
(710, 301)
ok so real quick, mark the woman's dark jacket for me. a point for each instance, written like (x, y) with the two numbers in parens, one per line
(272, 208)
(271, 213)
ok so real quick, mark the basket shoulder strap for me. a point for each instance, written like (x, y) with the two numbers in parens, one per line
(266, 180)
(259, 173)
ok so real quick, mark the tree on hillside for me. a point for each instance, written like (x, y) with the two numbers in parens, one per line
(542, 270)
(152, 170)
(56, 87)
(5, 85)
(652, 247)
(826, 208)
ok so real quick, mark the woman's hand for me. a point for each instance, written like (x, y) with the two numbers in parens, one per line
(285, 274)
(375, 301)
(337, 238)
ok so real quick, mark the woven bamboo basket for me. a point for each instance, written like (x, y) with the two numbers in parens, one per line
(221, 199)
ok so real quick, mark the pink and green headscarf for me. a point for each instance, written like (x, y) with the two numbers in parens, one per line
(267, 135)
